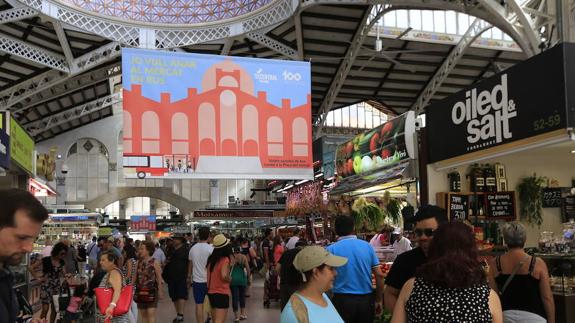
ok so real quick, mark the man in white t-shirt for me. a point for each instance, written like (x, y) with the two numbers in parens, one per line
(197, 274)
(293, 240)
(400, 243)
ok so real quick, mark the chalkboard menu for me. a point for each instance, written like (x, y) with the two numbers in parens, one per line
(500, 205)
(552, 197)
(569, 208)
(457, 206)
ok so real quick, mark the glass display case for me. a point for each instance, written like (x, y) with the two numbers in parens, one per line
(561, 268)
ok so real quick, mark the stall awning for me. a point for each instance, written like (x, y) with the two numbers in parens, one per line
(404, 170)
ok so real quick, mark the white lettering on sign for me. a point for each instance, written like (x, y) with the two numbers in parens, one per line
(487, 113)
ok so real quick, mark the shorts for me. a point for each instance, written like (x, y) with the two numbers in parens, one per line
(221, 301)
(71, 316)
(200, 291)
(178, 290)
(145, 306)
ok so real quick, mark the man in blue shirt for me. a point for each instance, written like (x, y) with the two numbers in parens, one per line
(353, 295)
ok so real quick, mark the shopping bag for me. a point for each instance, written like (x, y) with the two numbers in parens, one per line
(207, 305)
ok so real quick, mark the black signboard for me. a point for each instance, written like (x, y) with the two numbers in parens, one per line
(500, 205)
(233, 214)
(458, 206)
(552, 197)
(569, 208)
(526, 100)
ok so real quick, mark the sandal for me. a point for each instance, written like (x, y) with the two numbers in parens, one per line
(243, 317)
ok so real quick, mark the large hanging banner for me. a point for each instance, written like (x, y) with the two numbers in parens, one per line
(209, 116)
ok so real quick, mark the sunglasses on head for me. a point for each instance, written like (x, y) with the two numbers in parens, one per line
(427, 232)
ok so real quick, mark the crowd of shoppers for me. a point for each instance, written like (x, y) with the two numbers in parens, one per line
(441, 279)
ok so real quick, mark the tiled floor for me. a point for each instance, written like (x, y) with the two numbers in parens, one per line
(254, 308)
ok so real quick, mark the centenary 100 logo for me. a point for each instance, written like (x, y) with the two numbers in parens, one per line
(289, 76)
(487, 114)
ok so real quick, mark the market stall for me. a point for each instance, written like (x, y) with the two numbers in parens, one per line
(377, 177)
(504, 150)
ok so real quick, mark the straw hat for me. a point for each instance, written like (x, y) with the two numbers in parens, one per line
(220, 241)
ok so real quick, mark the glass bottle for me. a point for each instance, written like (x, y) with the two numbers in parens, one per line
(454, 181)
(489, 176)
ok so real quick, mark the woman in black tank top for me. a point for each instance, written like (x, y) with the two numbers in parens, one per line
(521, 291)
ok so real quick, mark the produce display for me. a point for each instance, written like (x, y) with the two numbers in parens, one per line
(377, 148)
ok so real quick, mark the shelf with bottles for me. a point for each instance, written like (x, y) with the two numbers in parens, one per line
(486, 206)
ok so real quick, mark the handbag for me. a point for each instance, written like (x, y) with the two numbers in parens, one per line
(146, 295)
(104, 298)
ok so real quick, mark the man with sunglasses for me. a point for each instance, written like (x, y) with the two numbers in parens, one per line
(428, 218)
(21, 219)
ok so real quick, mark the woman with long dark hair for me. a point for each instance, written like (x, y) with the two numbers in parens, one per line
(219, 278)
(452, 285)
(53, 274)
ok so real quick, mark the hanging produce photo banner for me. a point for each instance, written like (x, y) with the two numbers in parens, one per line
(210, 116)
(21, 147)
(526, 100)
(376, 149)
(4, 141)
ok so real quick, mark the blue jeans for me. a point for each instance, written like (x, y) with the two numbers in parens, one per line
(238, 297)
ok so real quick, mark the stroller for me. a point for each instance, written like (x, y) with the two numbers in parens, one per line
(271, 287)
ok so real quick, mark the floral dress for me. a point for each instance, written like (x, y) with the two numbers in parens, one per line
(146, 282)
(116, 319)
(53, 276)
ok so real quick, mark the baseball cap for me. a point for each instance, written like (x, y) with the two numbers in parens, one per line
(314, 256)
(396, 231)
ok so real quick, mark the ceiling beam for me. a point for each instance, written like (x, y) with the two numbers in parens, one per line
(299, 36)
(475, 30)
(27, 88)
(37, 127)
(227, 46)
(273, 44)
(38, 55)
(63, 42)
(345, 66)
(71, 86)
(17, 14)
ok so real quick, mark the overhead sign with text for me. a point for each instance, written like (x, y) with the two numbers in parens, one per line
(526, 100)
(209, 116)
(21, 147)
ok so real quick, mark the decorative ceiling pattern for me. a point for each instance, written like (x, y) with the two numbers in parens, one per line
(170, 11)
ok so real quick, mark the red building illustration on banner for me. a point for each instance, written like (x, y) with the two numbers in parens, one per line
(226, 119)
(143, 223)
